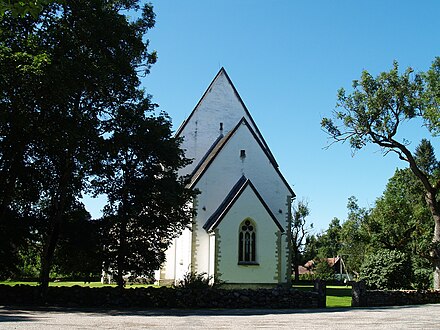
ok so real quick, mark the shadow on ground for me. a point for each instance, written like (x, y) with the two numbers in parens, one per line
(21, 314)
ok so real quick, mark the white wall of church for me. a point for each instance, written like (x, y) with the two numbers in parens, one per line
(222, 175)
(202, 257)
(220, 105)
(228, 167)
(178, 258)
(266, 271)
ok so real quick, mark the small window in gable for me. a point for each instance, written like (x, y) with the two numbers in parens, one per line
(247, 243)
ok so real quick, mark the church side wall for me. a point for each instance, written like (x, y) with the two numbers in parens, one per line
(178, 259)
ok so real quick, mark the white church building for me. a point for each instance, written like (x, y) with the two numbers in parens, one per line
(240, 233)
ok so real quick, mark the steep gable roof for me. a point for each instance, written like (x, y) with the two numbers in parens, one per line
(218, 146)
(222, 72)
(242, 184)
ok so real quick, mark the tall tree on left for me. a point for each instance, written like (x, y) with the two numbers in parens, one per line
(62, 74)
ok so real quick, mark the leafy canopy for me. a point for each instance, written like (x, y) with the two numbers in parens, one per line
(377, 106)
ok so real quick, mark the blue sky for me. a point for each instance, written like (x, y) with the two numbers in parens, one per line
(287, 60)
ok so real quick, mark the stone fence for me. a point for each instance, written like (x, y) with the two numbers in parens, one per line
(163, 297)
(361, 297)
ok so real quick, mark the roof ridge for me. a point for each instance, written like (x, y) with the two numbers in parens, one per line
(223, 71)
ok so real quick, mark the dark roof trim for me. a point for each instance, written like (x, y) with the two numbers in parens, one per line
(210, 156)
(214, 145)
(222, 70)
(201, 168)
(233, 196)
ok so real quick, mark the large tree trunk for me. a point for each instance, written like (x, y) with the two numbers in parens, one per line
(56, 219)
(121, 256)
(47, 257)
(296, 265)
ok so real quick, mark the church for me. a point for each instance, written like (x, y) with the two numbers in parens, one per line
(240, 234)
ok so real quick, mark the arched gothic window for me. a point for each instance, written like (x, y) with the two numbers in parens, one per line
(247, 242)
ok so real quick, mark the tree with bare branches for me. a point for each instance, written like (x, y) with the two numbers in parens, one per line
(299, 233)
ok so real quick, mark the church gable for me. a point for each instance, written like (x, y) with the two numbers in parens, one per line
(217, 147)
(248, 240)
(215, 115)
(239, 154)
(232, 198)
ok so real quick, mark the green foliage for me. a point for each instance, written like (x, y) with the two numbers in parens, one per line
(307, 277)
(422, 275)
(425, 158)
(19, 8)
(310, 248)
(432, 97)
(79, 251)
(29, 265)
(401, 219)
(193, 280)
(329, 243)
(373, 113)
(324, 271)
(147, 201)
(354, 236)
(376, 107)
(387, 269)
(69, 99)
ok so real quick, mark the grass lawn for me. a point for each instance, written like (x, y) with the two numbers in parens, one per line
(337, 296)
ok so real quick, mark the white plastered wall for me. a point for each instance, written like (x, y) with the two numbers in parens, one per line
(178, 258)
(248, 206)
(220, 104)
(221, 176)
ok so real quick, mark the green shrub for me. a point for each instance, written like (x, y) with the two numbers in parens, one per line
(422, 277)
(197, 281)
(324, 271)
(306, 277)
(386, 269)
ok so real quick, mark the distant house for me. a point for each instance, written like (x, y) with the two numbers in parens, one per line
(240, 234)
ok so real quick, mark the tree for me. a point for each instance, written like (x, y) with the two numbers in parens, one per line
(329, 243)
(354, 236)
(401, 219)
(65, 73)
(23, 7)
(386, 269)
(147, 201)
(79, 250)
(324, 271)
(299, 234)
(310, 247)
(373, 113)
(432, 97)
